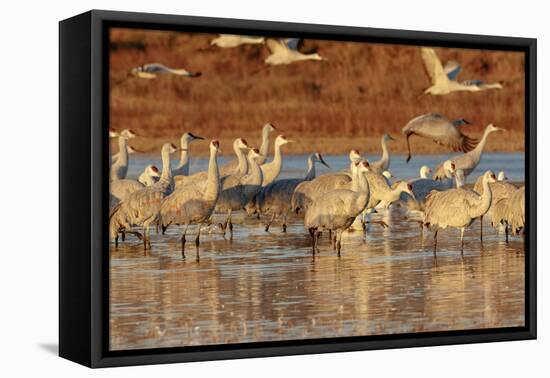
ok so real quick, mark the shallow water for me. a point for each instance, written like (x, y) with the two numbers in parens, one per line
(267, 286)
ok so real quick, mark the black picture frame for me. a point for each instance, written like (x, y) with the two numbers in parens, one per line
(84, 193)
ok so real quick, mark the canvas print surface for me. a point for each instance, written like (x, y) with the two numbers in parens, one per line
(269, 189)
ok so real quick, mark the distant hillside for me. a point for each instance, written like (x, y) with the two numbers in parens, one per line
(362, 91)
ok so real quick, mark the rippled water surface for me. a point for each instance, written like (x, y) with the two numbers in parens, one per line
(267, 286)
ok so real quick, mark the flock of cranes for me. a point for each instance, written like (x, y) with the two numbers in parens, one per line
(332, 202)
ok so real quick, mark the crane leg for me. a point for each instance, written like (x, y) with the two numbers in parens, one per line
(284, 222)
(506, 232)
(338, 242)
(333, 241)
(312, 233)
(183, 240)
(435, 241)
(269, 223)
(481, 228)
(197, 239)
(461, 241)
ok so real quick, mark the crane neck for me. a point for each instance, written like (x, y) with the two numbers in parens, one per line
(385, 152)
(122, 158)
(254, 176)
(485, 203)
(183, 166)
(310, 175)
(213, 180)
(166, 174)
(481, 145)
(242, 167)
(264, 147)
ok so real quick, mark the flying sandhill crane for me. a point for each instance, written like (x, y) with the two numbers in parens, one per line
(230, 41)
(439, 129)
(275, 199)
(119, 168)
(510, 213)
(131, 150)
(151, 70)
(499, 190)
(183, 166)
(238, 189)
(239, 146)
(193, 204)
(337, 209)
(468, 161)
(150, 175)
(445, 82)
(142, 208)
(384, 162)
(306, 192)
(268, 128)
(271, 170)
(457, 208)
(282, 53)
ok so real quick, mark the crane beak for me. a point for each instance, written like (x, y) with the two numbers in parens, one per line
(390, 137)
(324, 163)
(197, 137)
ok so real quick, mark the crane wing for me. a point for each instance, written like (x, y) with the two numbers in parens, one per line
(433, 66)
(276, 46)
(452, 69)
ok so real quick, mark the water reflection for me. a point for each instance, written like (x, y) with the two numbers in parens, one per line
(266, 286)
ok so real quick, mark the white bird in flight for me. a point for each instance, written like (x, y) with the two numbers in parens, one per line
(151, 70)
(286, 52)
(229, 40)
(444, 77)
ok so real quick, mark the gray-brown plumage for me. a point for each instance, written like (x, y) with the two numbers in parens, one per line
(510, 213)
(457, 208)
(271, 170)
(275, 199)
(193, 204)
(238, 189)
(239, 146)
(337, 209)
(439, 129)
(306, 192)
(119, 168)
(468, 161)
(142, 208)
(267, 129)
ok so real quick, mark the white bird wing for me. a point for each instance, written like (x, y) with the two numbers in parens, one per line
(276, 46)
(433, 66)
(294, 43)
(155, 68)
(452, 69)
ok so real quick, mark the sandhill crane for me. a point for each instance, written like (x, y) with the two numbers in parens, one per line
(457, 208)
(238, 189)
(131, 150)
(422, 186)
(267, 129)
(239, 146)
(150, 175)
(510, 213)
(229, 41)
(468, 161)
(183, 166)
(275, 199)
(384, 162)
(281, 53)
(151, 70)
(499, 190)
(445, 82)
(193, 204)
(439, 129)
(142, 207)
(337, 209)
(306, 192)
(120, 167)
(271, 170)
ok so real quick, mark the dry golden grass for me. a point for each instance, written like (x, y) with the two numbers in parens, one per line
(362, 91)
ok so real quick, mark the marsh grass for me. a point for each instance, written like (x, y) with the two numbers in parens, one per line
(362, 91)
